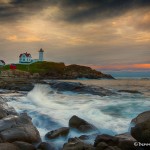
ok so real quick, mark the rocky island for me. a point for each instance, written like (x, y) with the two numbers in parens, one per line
(52, 70)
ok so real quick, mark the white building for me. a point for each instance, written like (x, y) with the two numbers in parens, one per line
(2, 63)
(41, 51)
(25, 58)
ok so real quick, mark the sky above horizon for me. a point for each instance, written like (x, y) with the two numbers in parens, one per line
(103, 34)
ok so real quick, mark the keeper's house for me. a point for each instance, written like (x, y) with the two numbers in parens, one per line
(25, 58)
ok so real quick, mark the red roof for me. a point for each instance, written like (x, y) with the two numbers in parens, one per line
(2, 61)
(27, 54)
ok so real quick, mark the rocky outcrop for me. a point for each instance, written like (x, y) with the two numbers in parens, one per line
(18, 84)
(77, 71)
(17, 128)
(81, 125)
(61, 132)
(80, 88)
(141, 132)
(141, 118)
(52, 70)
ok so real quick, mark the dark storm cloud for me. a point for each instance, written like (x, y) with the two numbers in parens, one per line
(86, 10)
(72, 10)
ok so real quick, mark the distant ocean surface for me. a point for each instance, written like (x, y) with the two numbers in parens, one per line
(50, 109)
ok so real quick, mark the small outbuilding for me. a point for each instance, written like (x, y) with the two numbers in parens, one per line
(2, 63)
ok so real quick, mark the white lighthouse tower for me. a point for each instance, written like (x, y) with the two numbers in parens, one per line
(41, 51)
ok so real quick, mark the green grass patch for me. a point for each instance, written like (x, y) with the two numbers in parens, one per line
(39, 67)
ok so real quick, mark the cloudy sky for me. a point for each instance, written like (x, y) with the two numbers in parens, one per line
(103, 34)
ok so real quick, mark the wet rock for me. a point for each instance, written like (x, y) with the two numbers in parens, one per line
(110, 140)
(127, 145)
(80, 124)
(24, 145)
(125, 136)
(141, 117)
(46, 146)
(18, 128)
(112, 148)
(61, 132)
(101, 146)
(19, 84)
(122, 141)
(8, 146)
(84, 137)
(77, 144)
(130, 91)
(141, 132)
(80, 88)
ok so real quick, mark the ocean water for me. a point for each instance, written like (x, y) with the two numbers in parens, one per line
(50, 109)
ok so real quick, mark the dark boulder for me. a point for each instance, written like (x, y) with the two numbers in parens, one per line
(110, 140)
(61, 132)
(77, 144)
(46, 146)
(18, 128)
(141, 117)
(80, 88)
(125, 136)
(118, 142)
(141, 132)
(80, 124)
(24, 145)
(8, 146)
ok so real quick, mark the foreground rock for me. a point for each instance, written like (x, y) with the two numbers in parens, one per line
(46, 146)
(81, 125)
(8, 146)
(15, 127)
(24, 145)
(77, 144)
(80, 88)
(61, 132)
(120, 142)
(141, 132)
(141, 118)
(18, 128)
